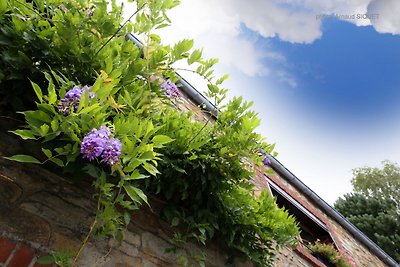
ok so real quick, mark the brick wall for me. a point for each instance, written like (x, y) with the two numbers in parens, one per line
(17, 254)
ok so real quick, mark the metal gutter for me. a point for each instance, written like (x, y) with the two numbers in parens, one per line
(325, 207)
(186, 87)
(135, 40)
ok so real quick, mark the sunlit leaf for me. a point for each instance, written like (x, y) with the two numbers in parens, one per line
(23, 158)
(24, 134)
(136, 194)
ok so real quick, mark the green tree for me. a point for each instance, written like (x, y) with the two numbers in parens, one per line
(373, 207)
(375, 182)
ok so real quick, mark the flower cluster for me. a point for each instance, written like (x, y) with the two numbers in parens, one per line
(266, 161)
(72, 99)
(171, 90)
(98, 143)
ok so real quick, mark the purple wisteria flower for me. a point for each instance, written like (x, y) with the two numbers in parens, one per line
(72, 99)
(171, 90)
(104, 132)
(98, 143)
(266, 161)
(111, 151)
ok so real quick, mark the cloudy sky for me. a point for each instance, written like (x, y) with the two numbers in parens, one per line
(324, 76)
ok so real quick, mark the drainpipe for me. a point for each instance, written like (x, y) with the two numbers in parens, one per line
(188, 89)
(360, 236)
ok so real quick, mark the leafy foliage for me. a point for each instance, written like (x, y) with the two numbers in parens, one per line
(375, 217)
(374, 205)
(375, 182)
(207, 185)
(329, 253)
(202, 170)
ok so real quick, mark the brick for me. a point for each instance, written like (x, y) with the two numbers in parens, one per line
(22, 257)
(6, 247)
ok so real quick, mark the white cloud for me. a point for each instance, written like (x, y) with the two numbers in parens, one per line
(388, 12)
(269, 19)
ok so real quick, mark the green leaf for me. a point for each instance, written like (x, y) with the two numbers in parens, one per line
(136, 175)
(54, 125)
(36, 116)
(119, 236)
(175, 221)
(24, 134)
(23, 158)
(160, 140)
(195, 56)
(44, 129)
(3, 6)
(47, 152)
(89, 108)
(38, 91)
(57, 161)
(52, 94)
(150, 168)
(50, 89)
(181, 47)
(222, 79)
(213, 88)
(132, 165)
(148, 155)
(84, 101)
(127, 218)
(136, 194)
(48, 259)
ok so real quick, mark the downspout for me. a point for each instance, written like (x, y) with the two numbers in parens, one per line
(360, 236)
(188, 89)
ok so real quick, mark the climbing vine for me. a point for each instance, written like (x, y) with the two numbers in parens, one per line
(97, 103)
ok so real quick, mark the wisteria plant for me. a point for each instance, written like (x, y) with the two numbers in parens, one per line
(103, 106)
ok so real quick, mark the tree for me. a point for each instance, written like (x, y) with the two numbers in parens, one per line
(383, 183)
(373, 207)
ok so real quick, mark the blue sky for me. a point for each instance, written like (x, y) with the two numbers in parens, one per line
(327, 90)
(350, 75)
(349, 78)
